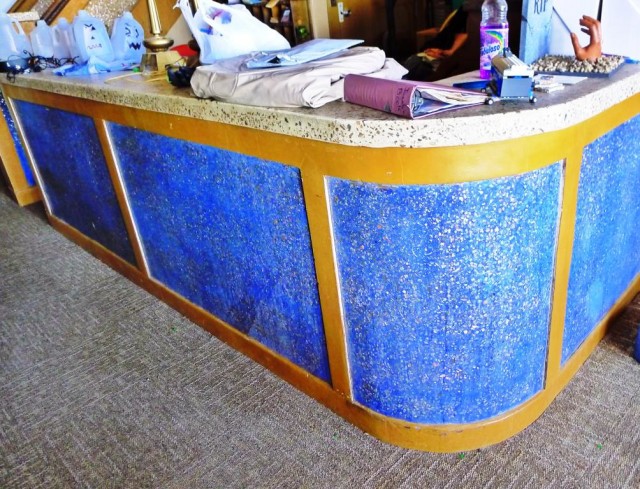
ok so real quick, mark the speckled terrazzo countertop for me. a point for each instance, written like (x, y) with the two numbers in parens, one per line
(29, 16)
(348, 124)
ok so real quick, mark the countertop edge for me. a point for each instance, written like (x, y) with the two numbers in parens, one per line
(352, 125)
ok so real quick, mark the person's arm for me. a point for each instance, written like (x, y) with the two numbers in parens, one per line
(458, 40)
(428, 33)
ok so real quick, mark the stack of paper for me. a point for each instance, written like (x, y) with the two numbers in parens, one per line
(303, 53)
(546, 84)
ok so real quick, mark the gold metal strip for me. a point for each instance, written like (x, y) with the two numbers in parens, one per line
(564, 252)
(322, 244)
(121, 194)
(27, 150)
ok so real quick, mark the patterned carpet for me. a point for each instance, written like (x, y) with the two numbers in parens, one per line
(102, 385)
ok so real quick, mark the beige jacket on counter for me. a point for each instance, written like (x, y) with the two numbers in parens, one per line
(311, 84)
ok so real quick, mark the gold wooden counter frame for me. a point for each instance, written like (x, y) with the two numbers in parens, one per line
(24, 193)
(316, 161)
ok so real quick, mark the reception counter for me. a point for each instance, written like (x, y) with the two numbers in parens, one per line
(436, 282)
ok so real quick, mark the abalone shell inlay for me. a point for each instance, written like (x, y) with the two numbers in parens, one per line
(446, 292)
(606, 250)
(76, 181)
(229, 232)
(22, 157)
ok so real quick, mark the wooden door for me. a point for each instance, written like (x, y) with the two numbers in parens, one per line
(366, 19)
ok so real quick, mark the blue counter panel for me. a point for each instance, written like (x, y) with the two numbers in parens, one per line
(228, 232)
(446, 292)
(606, 250)
(22, 157)
(75, 177)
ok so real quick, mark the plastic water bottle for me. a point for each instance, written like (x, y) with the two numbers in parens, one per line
(13, 40)
(127, 36)
(64, 44)
(91, 37)
(42, 40)
(494, 33)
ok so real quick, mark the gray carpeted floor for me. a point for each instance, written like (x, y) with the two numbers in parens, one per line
(102, 385)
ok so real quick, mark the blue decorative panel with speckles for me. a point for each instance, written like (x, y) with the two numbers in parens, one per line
(75, 177)
(229, 232)
(24, 163)
(447, 292)
(606, 250)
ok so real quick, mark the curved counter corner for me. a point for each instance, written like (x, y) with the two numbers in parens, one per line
(435, 282)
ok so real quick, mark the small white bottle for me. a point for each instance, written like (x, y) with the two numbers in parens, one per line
(127, 36)
(63, 41)
(13, 40)
(91, 38)
(7, 41)
(42, 40)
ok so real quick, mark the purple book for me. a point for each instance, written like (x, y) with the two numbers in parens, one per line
(406, 98)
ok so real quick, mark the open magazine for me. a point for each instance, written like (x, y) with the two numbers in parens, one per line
(406, 98)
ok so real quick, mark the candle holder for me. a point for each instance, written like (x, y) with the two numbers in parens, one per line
(158, 55)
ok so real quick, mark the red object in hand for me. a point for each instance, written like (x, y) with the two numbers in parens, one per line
(184, 50)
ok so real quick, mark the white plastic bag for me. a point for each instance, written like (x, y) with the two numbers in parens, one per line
(224, 31)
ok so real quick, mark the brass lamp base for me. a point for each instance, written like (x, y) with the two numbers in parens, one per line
(158, 56)
(157, 43)
(157, 62)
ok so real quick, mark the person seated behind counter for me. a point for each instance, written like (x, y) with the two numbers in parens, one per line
(444, 41)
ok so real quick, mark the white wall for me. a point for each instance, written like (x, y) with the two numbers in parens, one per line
(620, 25)
(180, 32)
(5, 5)
(565, 19)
